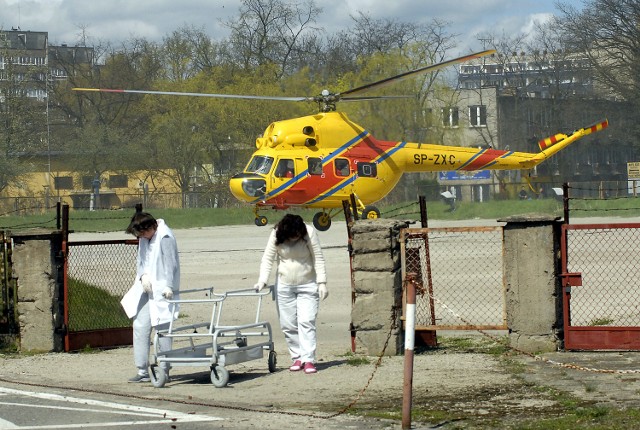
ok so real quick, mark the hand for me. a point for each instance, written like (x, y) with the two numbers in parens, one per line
(167, 293)
(145, 279)
(322, 291)
(259, 286)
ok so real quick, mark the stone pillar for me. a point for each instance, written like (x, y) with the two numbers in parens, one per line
(37, 267)
(533, 289)
(377, 286)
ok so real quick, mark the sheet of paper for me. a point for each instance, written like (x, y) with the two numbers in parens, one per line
(131, 299)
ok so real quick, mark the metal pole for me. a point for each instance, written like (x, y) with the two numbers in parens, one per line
(409, 342)
(565, 201)
(355, 206)
(349, 220)
(423, 212)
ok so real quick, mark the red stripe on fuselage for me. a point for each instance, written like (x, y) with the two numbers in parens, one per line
(483, 159)
(311, 186)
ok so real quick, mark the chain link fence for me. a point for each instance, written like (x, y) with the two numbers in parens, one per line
(462, 269)
(609, 259)
(98, 276)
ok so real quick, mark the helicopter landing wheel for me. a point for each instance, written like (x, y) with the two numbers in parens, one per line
(322, 221)
(370, 212)
(261, 221)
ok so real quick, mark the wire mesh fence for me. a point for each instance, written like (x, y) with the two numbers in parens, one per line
(98, 276)
(461, 268)
(608, 257)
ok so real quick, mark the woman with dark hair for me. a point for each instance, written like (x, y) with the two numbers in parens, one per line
(301, 282)
(157, 280)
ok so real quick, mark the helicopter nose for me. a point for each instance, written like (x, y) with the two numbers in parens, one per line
(247, 188)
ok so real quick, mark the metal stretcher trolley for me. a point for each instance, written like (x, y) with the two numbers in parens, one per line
(212, 343)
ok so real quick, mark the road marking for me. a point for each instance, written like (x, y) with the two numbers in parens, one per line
(165, 416)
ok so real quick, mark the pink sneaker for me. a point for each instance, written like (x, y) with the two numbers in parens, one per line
(297, 365)
(309, 368)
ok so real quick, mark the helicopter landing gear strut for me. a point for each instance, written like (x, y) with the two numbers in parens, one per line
(260, 220)
(322, 220)
(365, 212)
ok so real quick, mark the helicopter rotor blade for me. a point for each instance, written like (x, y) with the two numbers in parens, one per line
(415, 72)
(176, 93)
(365, 98)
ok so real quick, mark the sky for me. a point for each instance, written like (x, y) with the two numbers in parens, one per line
(117, 20)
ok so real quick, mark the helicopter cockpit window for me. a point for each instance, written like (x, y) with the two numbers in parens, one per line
(259, 164)
(315, 166)
(369, 170)
(342, 167)
(284, 169)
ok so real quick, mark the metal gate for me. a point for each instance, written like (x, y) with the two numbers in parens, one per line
(97, 274)
(601, 286)
(461, 272)
(9, 328)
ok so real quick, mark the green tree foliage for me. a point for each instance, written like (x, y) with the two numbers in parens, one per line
(22, 118)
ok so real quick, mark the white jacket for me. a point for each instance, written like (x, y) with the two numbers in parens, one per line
(299, 262)
(158, 258)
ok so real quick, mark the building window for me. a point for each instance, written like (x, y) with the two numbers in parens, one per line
(450, 117)
(478, 116)
(118, 181)
(87, 182)
(63, 183)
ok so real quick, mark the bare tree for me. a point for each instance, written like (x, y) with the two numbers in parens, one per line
(608, 32)
(270, 31)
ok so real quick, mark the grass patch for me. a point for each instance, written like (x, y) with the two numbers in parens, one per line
(118, 220)
(601, 321)
(586, 417)
(474, 344)
(356, 360)
(92, 308)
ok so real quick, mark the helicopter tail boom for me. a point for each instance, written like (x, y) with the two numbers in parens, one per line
(551, 145)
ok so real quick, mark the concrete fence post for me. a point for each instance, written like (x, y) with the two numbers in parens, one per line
(533, 291)
(377, 284)
(38, 269)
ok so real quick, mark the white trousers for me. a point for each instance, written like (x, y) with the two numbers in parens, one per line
(297, 310)
(142, 337)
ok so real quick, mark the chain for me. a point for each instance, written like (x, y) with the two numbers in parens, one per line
(393, 324)
(534, 356)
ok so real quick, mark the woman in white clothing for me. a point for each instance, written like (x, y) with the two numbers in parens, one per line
(301, 282)
(157, 280)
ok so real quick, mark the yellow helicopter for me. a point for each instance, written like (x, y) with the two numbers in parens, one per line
(318, 161)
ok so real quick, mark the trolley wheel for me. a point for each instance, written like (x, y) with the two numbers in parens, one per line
(261, 221)
(272, 360)
(219, 376)
(322, 221)
(158, 376)
(370, 212)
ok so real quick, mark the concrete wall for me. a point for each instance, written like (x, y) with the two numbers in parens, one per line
(377, 286)
(532, 285)
(38, 270)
